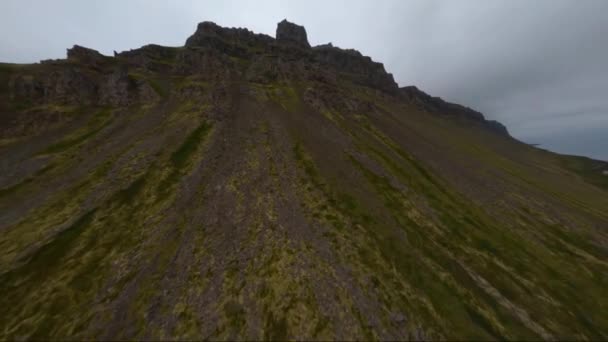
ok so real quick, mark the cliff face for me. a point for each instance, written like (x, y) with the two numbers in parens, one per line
(215, 52)
(247, 187)
(439, 106)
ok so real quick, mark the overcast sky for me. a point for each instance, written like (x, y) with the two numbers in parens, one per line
(538, 66)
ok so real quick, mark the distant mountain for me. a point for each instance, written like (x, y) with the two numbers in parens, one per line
(250, 187)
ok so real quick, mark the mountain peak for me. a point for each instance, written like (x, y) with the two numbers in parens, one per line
(288, 32)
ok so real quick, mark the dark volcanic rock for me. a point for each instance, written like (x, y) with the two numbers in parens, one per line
(206, 62)
(213, 54)
(62, 85)
(291, 33)
(151, 57)
(497, 127)
(238, 42)
(122, 89)
(25, 87)
(361, 69)
(85, 55)
(437, 105)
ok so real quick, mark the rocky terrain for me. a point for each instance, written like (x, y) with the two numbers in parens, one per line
(250, 187)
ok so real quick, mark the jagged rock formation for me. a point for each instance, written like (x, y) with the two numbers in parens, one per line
(247, 187)
(437, 105)
(214, 47)
(291, 33)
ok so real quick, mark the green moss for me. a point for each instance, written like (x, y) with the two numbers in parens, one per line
(482, 322)
(136, 76)
(128, 195)
(94, 126)
(275, 328)
(158, 87)
(11, 190)
(42, 262)
(590, 170)
(282, 94)
(235, 314)
(190, 144)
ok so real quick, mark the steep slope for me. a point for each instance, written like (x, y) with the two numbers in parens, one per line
(242, 187)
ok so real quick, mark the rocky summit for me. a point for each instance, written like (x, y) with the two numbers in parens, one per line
(245, 187)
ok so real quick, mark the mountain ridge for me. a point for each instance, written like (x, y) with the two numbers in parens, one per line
(228, 40)
(242, 187)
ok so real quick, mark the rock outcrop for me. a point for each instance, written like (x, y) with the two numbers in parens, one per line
(214, 53)
(437, 105)
(85, 55)
(291, 33)
(237, 42)
(361, 69)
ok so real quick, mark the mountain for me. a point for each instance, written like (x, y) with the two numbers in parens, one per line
(250, 187)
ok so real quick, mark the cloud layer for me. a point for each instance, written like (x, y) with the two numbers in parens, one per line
(537, 66)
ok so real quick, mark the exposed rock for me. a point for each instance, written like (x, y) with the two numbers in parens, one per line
(62, 85)
(361, 69)
(237, 42)
(215, 54)
(69, 85)
(152, 57)
(115, 88)
(25, 86)
(85, 55)
(437, 105)
(263, 69)
(291, 33)
(497, 127)
(206, 62)
(121, 88)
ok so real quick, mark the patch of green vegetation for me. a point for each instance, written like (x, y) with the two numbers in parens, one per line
(423, 243)
(192, 82)
(181, 157)
(235, 313)
(16, 187)
(158, 87)
(376, 243)
(590, 170)
(483, 322)
(129, 194)
(56, 108)
(136, 76)
(241, 63)
(453, 223)
(155, 83)
(41, 263)
(97, 123)
(306, 163)
(190, 144)
(275, 328)
(282, 94)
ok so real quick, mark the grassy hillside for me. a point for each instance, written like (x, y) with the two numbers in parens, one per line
(227, 208)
